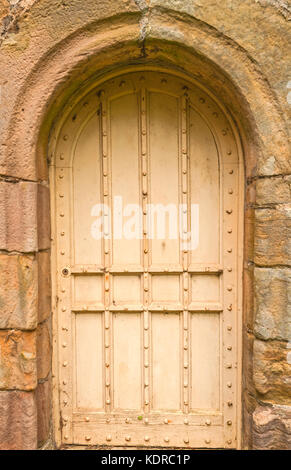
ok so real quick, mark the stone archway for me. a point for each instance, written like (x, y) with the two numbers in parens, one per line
(164, 37)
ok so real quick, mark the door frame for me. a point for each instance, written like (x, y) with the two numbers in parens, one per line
(52, 151)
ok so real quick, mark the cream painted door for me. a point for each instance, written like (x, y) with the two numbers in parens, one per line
(148, 314)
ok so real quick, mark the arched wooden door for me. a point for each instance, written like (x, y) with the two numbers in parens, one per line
(148, 323)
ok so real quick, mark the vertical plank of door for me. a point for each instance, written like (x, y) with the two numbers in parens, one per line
(204, 171)
(64, 260)
(230, 290)
(86, 193)
(143, 133)
(124, 145)
(206, 338)
(164, 151)
(89, 361)
(106, 189)
(164, 121)
(185, 212)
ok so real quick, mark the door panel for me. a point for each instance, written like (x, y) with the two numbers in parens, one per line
(89, 361)
(148, 309)
(163, 151)
(127, 359)
(125, 167)
(166, 362)
(205, 288)
(86, 172)
(205, 189)
(205, 361)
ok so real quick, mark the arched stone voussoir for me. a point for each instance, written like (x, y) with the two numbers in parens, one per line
(235, 77)
(150, 36)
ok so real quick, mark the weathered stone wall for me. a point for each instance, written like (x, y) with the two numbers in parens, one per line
(49, 49)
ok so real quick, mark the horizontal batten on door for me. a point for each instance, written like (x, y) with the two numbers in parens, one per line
(193, 307)
(155, 418)
(86, 268)
(205, 268)
(166, 307)
(205, 307)
(95, 269)
(164, 435)
(160, 269)
(166, 268)
(126, 308)
(127, 269)
(88, 308)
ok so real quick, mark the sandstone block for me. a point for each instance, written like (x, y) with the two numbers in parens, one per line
(17, 360)
(248, 298)
(272, 371)
(249, 226)
(18, 215)
(44, 286)
(18, 292)
(273, 303)
(43, 350)
(4, 13)
(273, 236)
(272, 428)
(274, 190)
(43, 400)
(18, 420)
(43, 217)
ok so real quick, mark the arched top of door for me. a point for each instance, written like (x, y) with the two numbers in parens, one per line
(153, 79)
